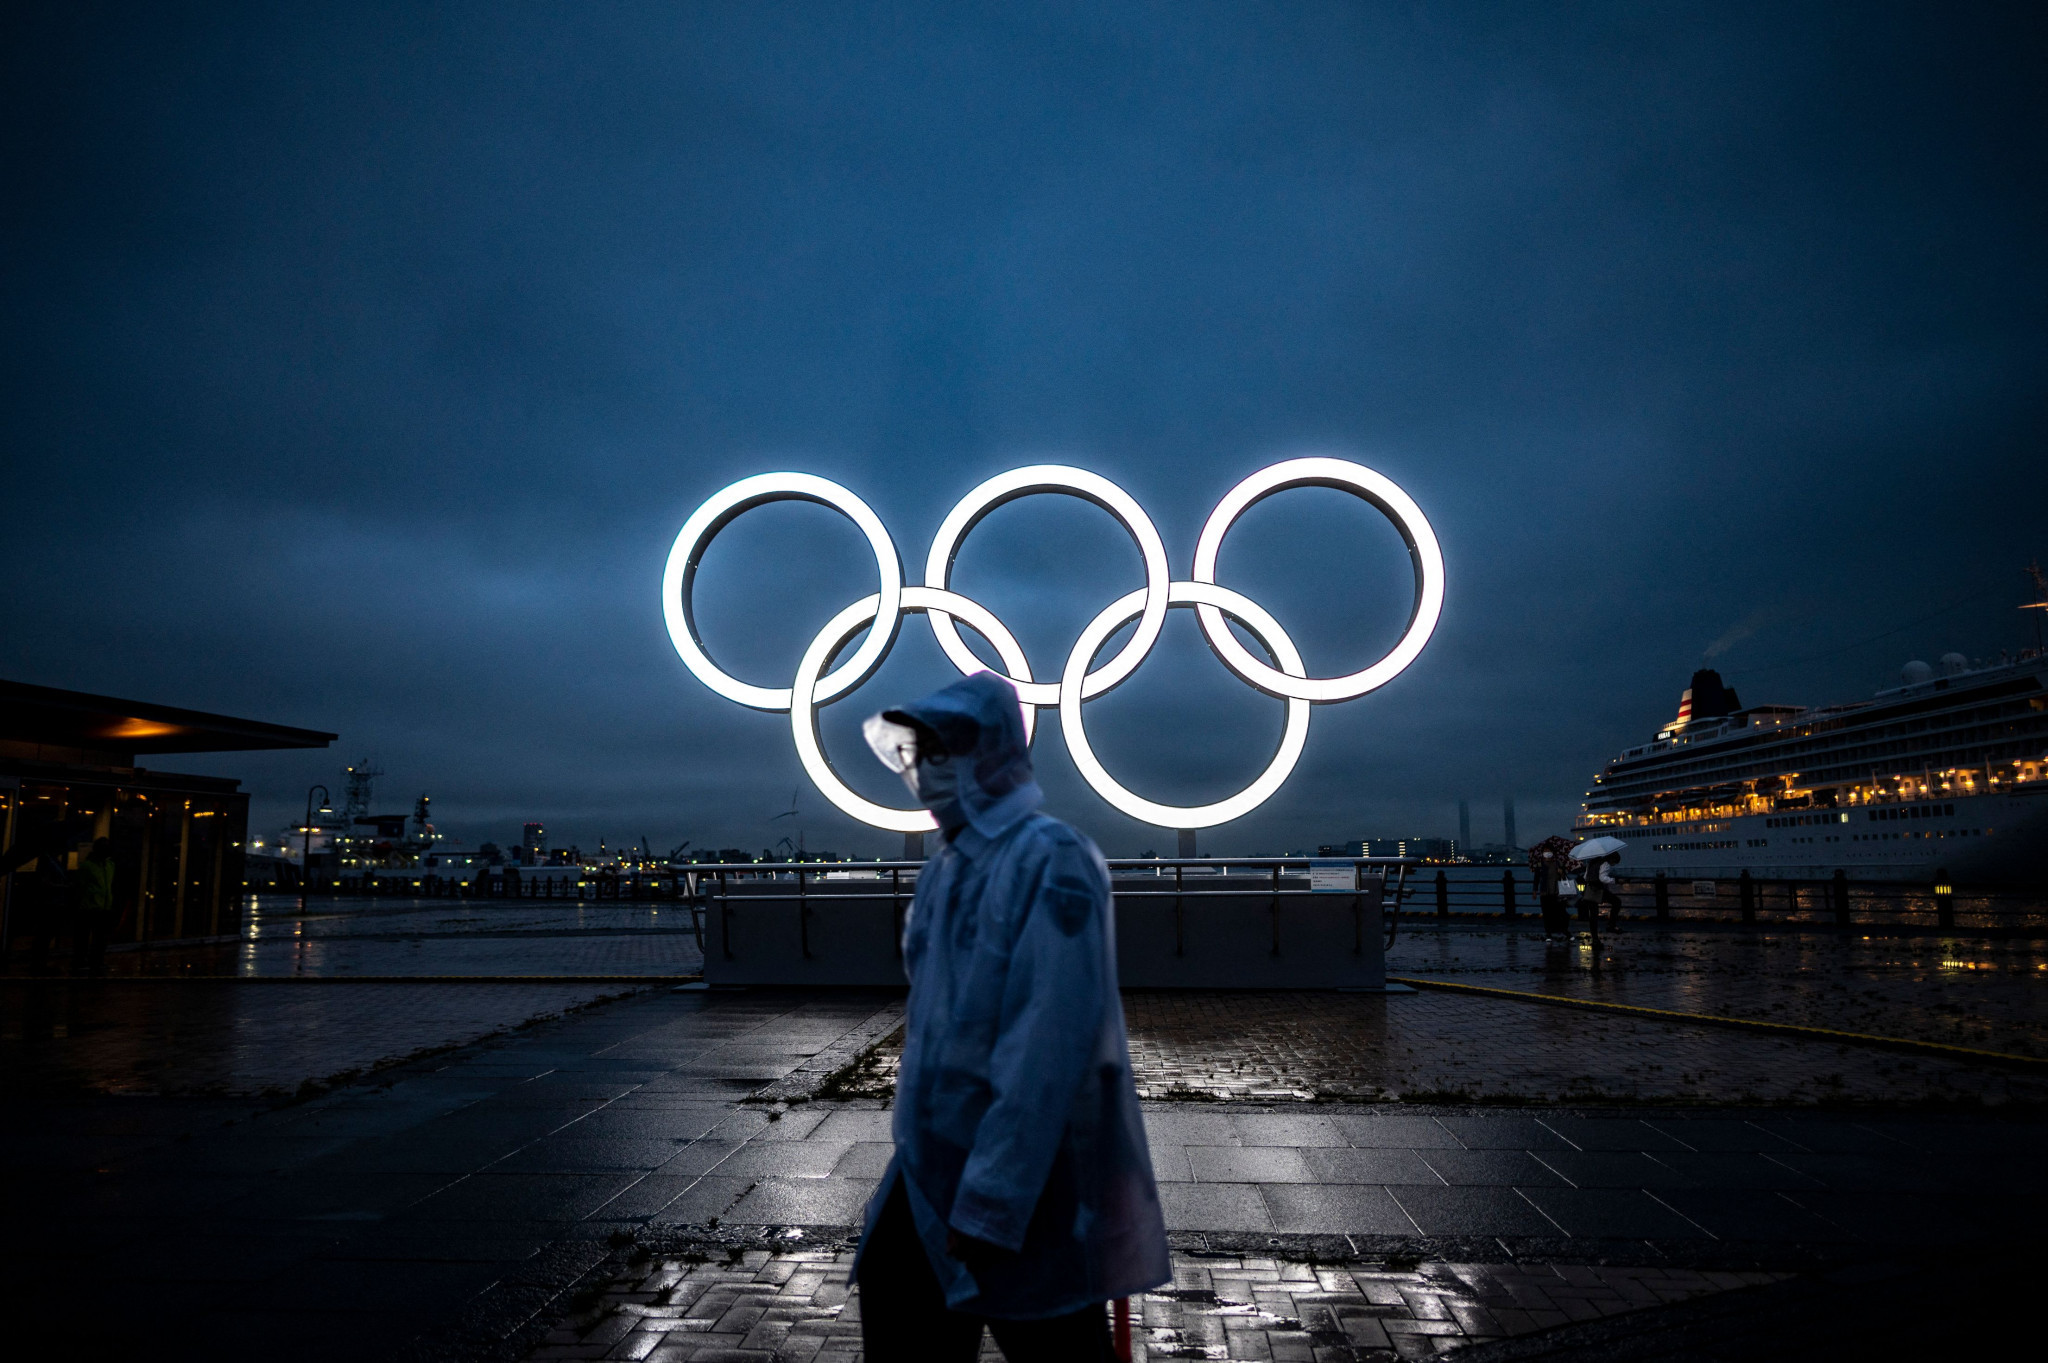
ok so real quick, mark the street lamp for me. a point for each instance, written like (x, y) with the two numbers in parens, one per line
(306, 842)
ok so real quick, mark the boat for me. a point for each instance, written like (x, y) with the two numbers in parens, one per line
(1944, 776)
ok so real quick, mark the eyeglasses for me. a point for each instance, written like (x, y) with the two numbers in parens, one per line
(897, 747)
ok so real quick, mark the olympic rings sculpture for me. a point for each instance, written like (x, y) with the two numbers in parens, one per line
(819, 682)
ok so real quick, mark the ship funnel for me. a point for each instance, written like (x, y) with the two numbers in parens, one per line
(1684, 709)
(1711, 699)
(1706, 698)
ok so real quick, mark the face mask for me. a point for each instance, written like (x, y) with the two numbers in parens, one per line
(932, 778)
(936, 784)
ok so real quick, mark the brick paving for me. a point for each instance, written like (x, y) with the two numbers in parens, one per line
(796, 1307)
(1989, 994)
(1258, 1046)
(463, 1204)
(1703, 1186)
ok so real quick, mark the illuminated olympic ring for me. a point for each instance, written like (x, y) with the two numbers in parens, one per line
(818, 682)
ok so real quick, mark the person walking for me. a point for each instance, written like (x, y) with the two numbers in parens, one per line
(1601, 891)
(1550, 862)
(1020, 1197)
(95, 912)
(1550, 884)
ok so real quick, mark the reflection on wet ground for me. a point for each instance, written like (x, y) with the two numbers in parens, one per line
(1257, 1046)
(799, 1304)
(227, 1017)
(222, 1036)
(1982, 993)
(453, 1208)
(1266, 1046)
(1973, 991)
(342, 937)
(1440, 1047)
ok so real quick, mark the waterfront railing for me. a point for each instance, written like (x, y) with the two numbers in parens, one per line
(1416, 891)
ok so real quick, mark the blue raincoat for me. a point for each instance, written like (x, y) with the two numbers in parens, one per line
(1017, 1119)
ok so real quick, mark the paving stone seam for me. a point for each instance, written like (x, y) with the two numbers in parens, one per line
(1889, 1043)
(1539, 1211)
(476, 1338)
(1651, 1193)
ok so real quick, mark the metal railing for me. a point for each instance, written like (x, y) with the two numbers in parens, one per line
(902, 876)
(1446, 892)
(713, 884)
(1497, 893)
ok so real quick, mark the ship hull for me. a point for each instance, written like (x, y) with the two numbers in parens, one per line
(1989, 839)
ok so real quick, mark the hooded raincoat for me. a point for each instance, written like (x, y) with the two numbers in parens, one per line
(1016, 1118)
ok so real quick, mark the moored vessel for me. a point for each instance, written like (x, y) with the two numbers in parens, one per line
(1944, 774)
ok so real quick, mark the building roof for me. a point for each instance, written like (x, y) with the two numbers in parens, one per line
(50, 717)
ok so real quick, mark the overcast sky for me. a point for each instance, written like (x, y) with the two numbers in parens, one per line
(361, 366)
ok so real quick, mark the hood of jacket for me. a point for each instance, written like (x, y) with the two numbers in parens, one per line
(979, 719)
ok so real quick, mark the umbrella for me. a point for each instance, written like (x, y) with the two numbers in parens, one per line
(1554, 849)
(1594, 848)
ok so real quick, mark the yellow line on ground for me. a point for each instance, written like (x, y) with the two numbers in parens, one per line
(1721, 1020)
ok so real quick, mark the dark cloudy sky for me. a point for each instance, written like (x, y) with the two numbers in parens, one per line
(361, 365)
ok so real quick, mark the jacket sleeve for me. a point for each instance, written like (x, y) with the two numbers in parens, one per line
(1047, 1033)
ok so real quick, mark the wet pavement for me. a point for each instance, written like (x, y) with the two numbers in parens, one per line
(483, 1170)
(314, 995)
(797, 1306)
(459, 1206)
(1259, 1046)
(262, 1038)
(1702, 1186)
(445, 1204)
(282, 1029)
(1983, 993)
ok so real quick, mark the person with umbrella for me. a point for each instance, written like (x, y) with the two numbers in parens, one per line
(1600, 856)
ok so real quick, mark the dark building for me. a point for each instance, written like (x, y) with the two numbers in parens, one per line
(69, 774)
(1429, 849)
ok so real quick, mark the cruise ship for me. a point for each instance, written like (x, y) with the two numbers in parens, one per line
(1945, 773)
